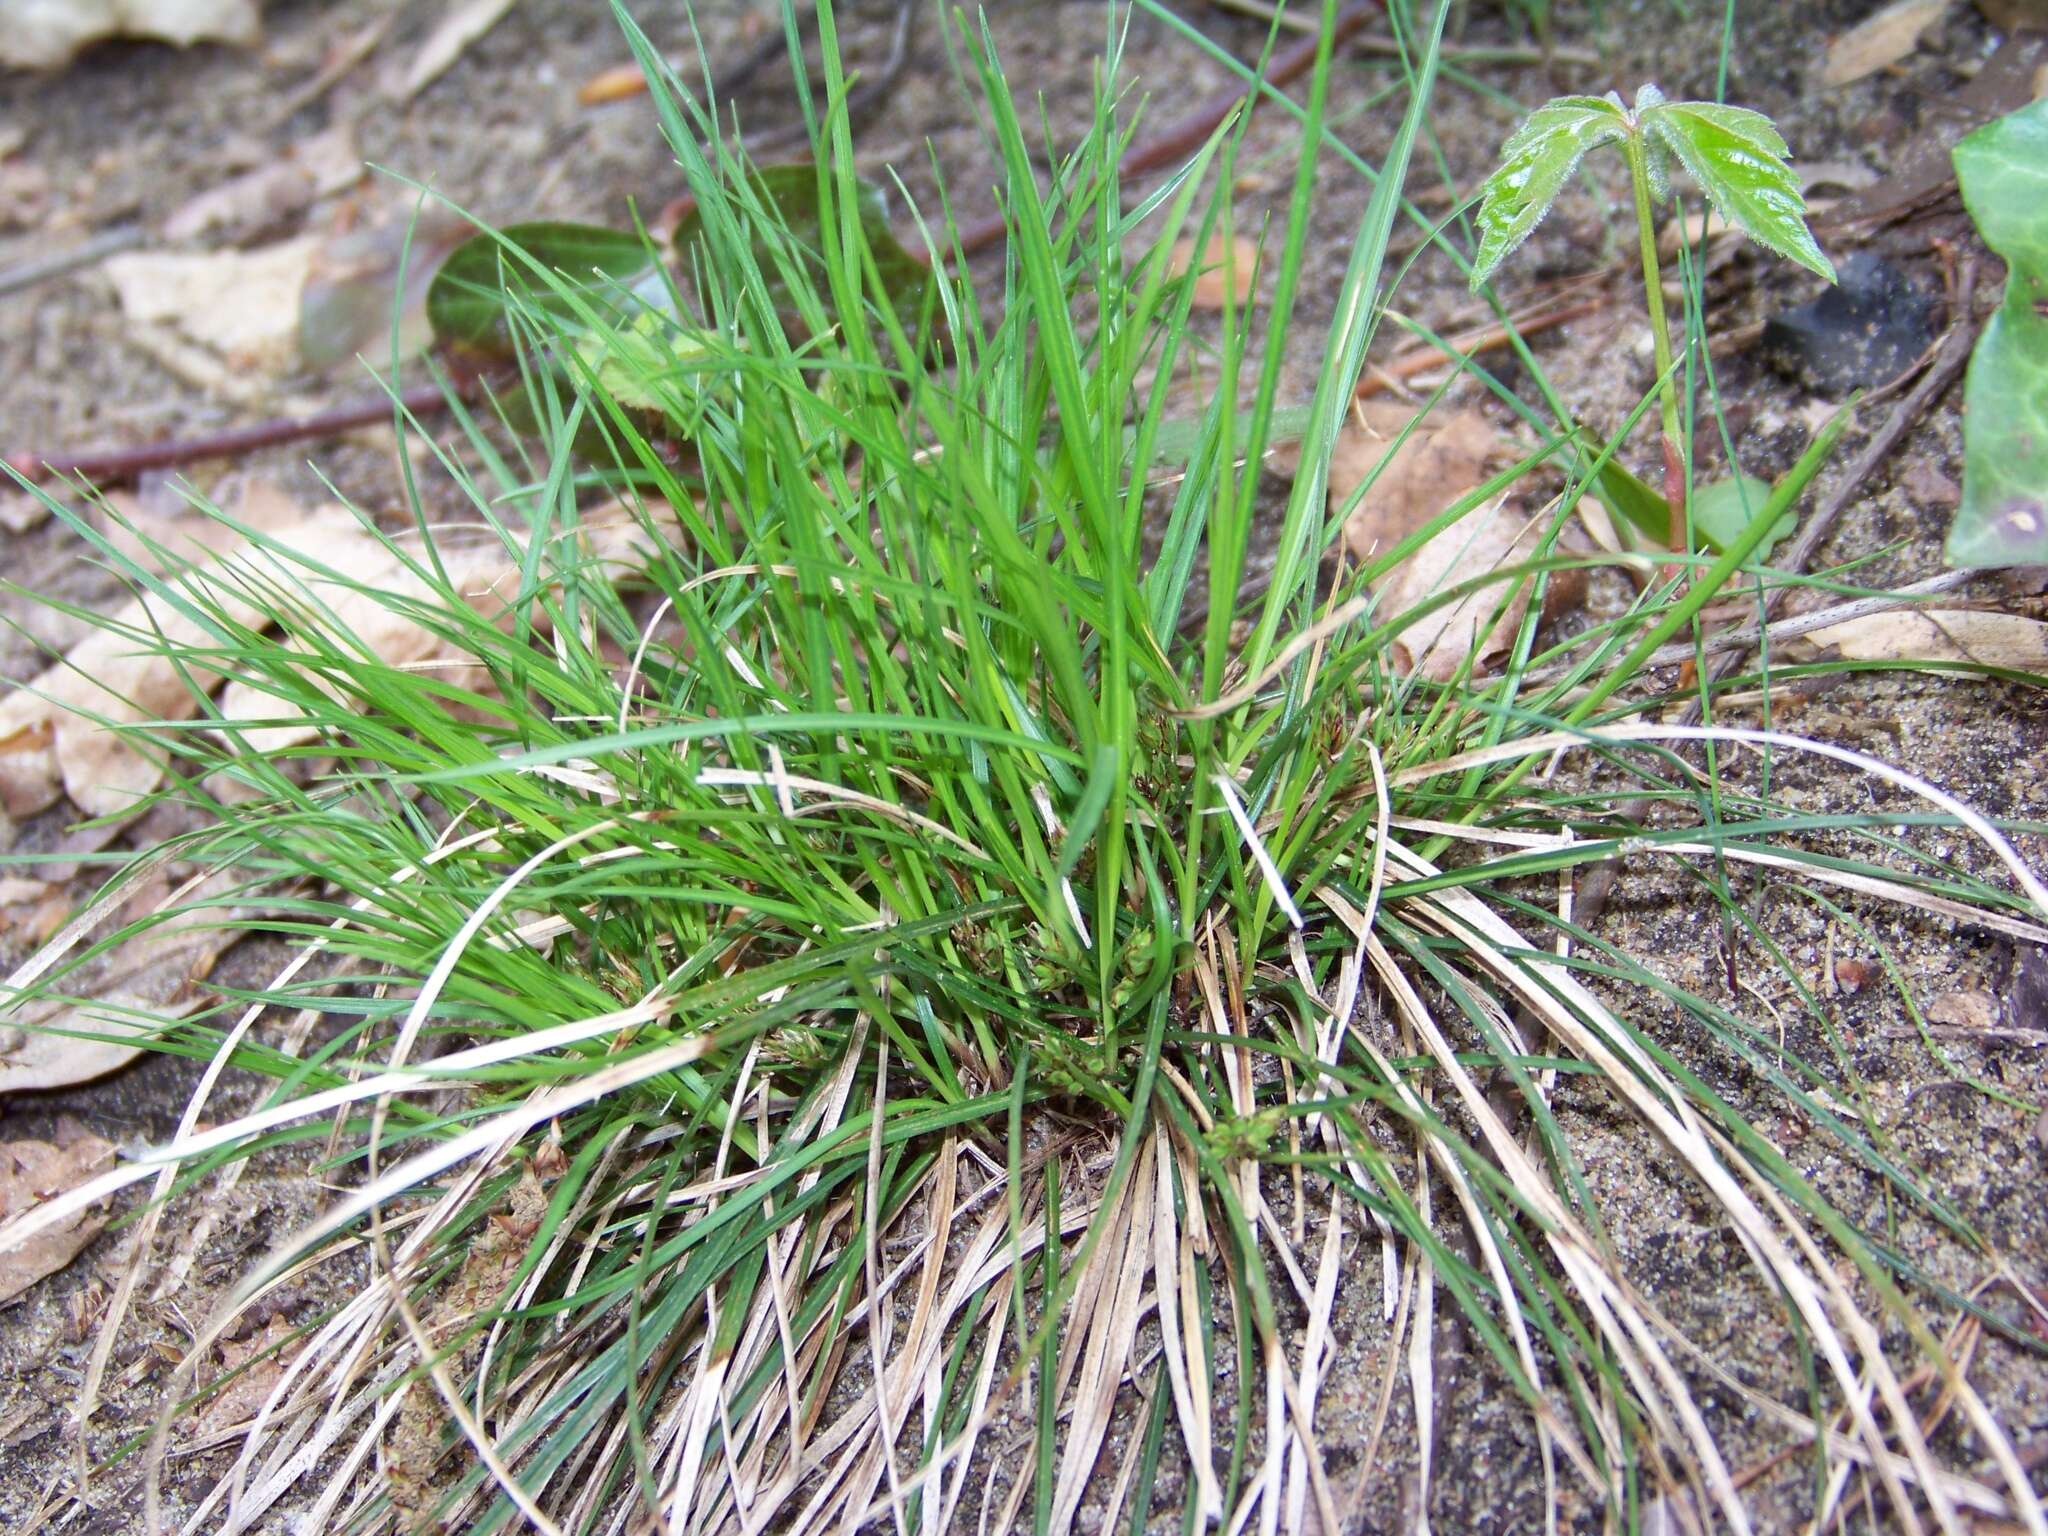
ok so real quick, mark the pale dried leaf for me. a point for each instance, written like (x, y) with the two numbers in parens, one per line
(20, 512)
(374, 576)
(1880, 40)
(42, 34)
(241, 306)
(317, 166)
(464, 22)
(52, 738)
(1443, 458)
(30, 1173)
(1436, 465)
(261, 1359)
(1112, 1329)
(123, 995)
(1945, 634)
(1223, 271)
(1964, 1010)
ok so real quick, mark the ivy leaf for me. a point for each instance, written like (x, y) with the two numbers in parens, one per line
(1738, 158)
(2002, 169)
(1535, 163)
(792, 192)
(470, 299)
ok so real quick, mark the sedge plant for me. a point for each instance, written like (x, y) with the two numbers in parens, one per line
(881, 958)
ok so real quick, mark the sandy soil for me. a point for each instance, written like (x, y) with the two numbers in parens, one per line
(130, 133)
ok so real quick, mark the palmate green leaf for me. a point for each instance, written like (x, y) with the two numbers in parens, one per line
(1738, 158)
(1536, 162)
(470, 297)
(2002, 169)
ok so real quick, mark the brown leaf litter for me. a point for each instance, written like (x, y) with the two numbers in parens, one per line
(2006, 640)
(30, 1173)
(1413, 479)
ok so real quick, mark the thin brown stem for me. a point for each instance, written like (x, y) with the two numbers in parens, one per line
(107, 465)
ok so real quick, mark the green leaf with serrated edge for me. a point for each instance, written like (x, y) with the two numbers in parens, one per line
(1721, 509)
(2002, 169)
(1535, 163)
(792, 191)
(1738, 159)
(469, 299)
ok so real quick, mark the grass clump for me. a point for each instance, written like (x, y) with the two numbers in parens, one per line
(895, 923)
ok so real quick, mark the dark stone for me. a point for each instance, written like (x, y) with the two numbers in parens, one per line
(1863, 332)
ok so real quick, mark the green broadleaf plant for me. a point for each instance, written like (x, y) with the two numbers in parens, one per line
(2002, 169)
(469, 302)
(1738, 158)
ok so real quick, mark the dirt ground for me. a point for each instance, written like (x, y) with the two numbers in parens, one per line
(130, 134)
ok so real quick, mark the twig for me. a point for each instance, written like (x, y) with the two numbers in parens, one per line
(865, 95)
(1188, 135)
(1913, 595)
(1948, 363)
(106, 243)
(1409, 364)
(105, 465)
(333, 72)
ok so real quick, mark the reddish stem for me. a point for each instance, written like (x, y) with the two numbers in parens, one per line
(111, 464)
(1674, 497)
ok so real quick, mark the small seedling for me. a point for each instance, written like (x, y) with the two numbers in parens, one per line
(1738, 158)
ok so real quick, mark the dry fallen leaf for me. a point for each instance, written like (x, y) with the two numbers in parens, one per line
(1964, 1010)
(42, 34)
(487, 574)
(1440, 461)
(464, 22)
(124, 994)
(52, 736)
(1224, 270)
(1948, 634)
(360, 605)
(30, 1173)
(240, 306)
(261, 1359)
(318, 166)
(1880, 40)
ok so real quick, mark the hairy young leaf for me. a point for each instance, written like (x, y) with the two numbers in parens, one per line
(1535, 163)
(2003, 171)
(468, 300)
(1738, 158)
